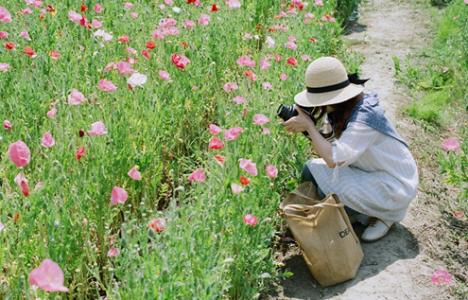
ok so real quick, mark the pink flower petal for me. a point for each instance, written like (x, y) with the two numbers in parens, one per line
(134, 173)
(106, 86)
(441, 277)
(197, 176)
(232, 133)
(214, 129)
(118, 196)
(157, 225)
(47, 140)
(260, 119)
(19, 154)
(76, 97)
(250, 220)
(113, 252)
(451, 144)
(248, 166)
(236, 188)
(97, 128)
(271, 171)
(48, 276)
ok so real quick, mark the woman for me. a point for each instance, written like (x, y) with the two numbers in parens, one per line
(368, 165)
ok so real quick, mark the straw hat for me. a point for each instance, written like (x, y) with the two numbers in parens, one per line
(328, 83)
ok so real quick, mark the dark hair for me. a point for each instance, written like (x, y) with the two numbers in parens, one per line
(340, 114)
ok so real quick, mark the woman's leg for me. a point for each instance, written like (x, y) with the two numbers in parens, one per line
(307, 176)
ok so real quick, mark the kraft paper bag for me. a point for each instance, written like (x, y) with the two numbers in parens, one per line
(321, 228)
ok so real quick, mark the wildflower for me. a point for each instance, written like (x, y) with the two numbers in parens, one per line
(19, 154)
(106, 86)
(134, 173)
(157, 225)
(236, 189)
(118, 196)
(214, 129)
(232, 133)
(113, 252)
(441, 277)
(451, 144)
(197, 176)
(271, 171)
(97, 128)
(48, 276)
(76, 97)
(248, 166)
(47, 140)
(250, 220)
(260, 119)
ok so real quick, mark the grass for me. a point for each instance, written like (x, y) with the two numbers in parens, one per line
(440, 89)
(206, 251)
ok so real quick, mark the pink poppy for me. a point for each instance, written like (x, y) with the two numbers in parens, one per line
(118, 196)
(283, 76)
(134, 173)
(180, 61)
(245, 61)
(306, 57)
(47, 140)
(26, 11)
(308, 17)
(124, 68)
(204, 19)
(98, 8)
(157, 225)
(230, 86)
(451, 144)
(264, 64)
(76, 97)
(97, 128)
(96, 24)
(271, 171)
(106, 37)
(260, 119)
(189, 24)
(266, 131)
(74, 17)
(7, 125)
(137, 79)
(232, 133)
(248, 166)
(51, 113)
(5, 15)
(239, 100)
(216, 144)
(19, 154)
(128, 5)
(250, 220)
(1, 226)
(233, 4)
(113, 252)
(106, 86)
(328, 18)
(318, 2)
(290, 45)
(214, 130)
(25, 35)
(164, 75)
(132, 51)
(267, 86)
(134, 15)
(236, 188)
(197, 176)
(3, 35)
(54, 54)
(251, 75)
(441, 277)
(48, 276)
(22, 183)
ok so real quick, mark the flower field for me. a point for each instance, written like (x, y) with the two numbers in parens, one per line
(140, 154)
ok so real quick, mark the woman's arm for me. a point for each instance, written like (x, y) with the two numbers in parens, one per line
(303, 122)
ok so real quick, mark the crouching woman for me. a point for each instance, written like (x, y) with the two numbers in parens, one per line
(368, 165)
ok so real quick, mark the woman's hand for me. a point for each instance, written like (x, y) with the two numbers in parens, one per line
(301, 122)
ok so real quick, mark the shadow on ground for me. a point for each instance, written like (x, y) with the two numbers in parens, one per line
(399, 244)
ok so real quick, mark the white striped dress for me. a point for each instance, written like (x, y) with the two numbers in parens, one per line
(379, 176)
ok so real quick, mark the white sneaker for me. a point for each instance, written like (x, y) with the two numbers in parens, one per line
(376, 230)
(361, 218)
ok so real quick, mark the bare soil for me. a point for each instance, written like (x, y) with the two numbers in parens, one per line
(397, 266)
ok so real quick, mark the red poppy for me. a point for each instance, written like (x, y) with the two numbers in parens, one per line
(123, 39)
(180, 61)
(214, 8)
(312, 40)
(292, 61)
(145, 53)
(191, 1)
(83, 8)
(244, 180)
(220, 159)
(29, 52)
(251, 75)
(9, 45)
(80, 153)
(150, 45)
(50, 8)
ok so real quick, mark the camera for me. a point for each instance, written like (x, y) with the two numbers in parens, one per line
(286, 112)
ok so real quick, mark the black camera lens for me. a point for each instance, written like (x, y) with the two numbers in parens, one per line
(286, 112)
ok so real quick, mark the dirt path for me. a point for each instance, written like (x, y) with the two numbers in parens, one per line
(396, 267)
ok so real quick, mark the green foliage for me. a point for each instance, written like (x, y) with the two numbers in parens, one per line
(206, 251)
